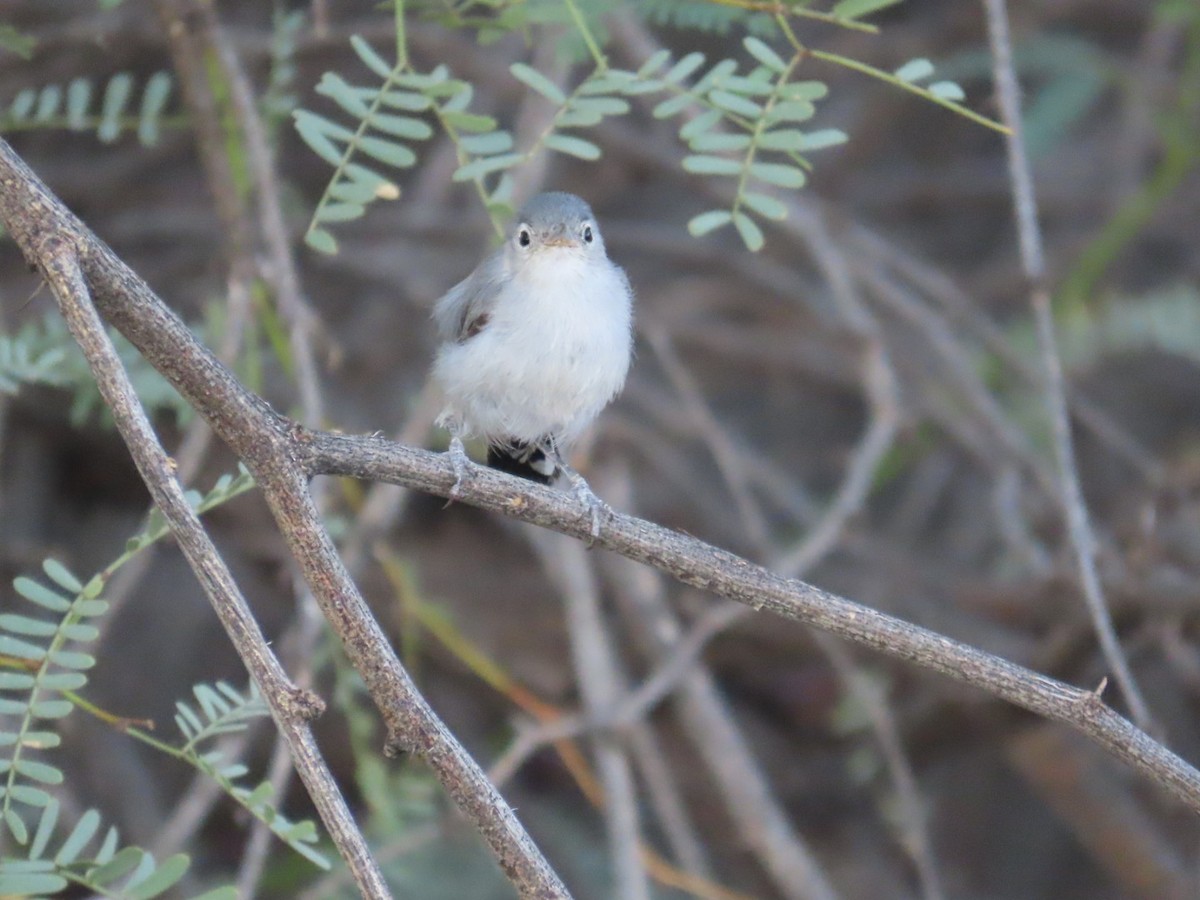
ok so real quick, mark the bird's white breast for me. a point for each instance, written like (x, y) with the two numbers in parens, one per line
(555, 350)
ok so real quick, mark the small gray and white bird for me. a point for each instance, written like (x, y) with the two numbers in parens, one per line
(535, 343)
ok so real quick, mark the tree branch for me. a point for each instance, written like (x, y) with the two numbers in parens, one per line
(270, 446)
(695, 563)
(283, 456)
(290, 706)
(1069, 490)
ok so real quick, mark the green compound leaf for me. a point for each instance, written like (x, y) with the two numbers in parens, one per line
(947, 90)
(791, 111)
(915, 70)
(61, 575)
(764, 55)
(720, 143)
(487, 144)
(857, 9)
(85, 829)
(735, 103)
(37, 771)
(783, 139)
(700, 124)
(766, 206)
(778, 174)
(387, 152)
(487, 165)
(751, 234)
(538, 82)
(805, 90)
(709, 221)
(572, 146)
(116, 96)
(321, 240)
(160, 879)
(370, 58)
(41, 595)
(826, 137)
(154, 101)
(684, 68)
(711, 165)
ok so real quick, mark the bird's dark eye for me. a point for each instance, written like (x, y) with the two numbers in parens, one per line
(524, 238)
(587, 233)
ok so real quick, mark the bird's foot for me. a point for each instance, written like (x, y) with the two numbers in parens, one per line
(460, 463)
(593, 505)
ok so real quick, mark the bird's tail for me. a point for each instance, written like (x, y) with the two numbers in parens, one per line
(526, 460)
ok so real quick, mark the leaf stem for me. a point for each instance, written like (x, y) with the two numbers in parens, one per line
(761, 123)
(781, 10)
(401, 35)
(848, 63)
(588, 38)
(352, 144)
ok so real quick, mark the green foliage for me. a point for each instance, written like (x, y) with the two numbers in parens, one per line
(82, 107)
(46, 663)
(383, 130)
(17, 42)
(279, 99)
(127, 872)
(748, 131)
(1165, 321)
(858, 9)
(1063, 78)
(486, 155)
(42, 667)
(747, 127)
(717, 18)
(29, 361)
(220, 710)
(43, 352)
(398, 797)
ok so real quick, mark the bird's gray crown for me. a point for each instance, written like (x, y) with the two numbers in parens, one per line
(554, 208)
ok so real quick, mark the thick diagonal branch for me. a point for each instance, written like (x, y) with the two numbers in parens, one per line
(269, 445)
(290, 706)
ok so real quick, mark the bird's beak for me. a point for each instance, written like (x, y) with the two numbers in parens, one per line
(561, 241)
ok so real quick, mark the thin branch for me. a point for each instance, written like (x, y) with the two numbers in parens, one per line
(662, 780)
(880, 384)
(281, 273)
(701, 565)
(914, 834)
(272, 447)
(762, 823)
(290, 706)
(722, 449)
(600, 683)
(189, 36)
(1033, 261)
(258, 846)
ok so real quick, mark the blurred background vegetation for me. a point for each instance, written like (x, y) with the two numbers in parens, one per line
(858, 403)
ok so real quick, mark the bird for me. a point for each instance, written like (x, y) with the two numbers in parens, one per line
(533, 344)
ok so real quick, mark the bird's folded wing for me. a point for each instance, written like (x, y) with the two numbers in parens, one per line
(465, 309)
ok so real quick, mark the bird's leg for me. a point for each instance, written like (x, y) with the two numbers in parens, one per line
(459, 461)
(583, 491)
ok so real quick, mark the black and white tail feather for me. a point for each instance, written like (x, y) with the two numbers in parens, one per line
(525, 460)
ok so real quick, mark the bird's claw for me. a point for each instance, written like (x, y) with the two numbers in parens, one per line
(593, 505)
(460, 463)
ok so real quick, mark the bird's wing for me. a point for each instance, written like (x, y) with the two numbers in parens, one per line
(466, 308)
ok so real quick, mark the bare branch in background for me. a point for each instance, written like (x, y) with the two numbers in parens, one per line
(1079, 526)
